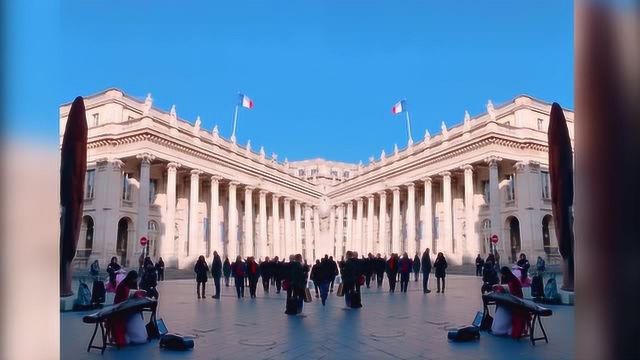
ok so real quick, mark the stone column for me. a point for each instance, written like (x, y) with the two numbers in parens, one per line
(340, 233)
(411, 219)
(276, 242)
(368, 248)
(214, 219)
(247, 246)
(523, 187)
(297, 246)
(232, 245)
(331, 247)
(308, 232)
(262, 241)
(470, 248)
(495, 203)
(358, 238)
(349, 241)
(193, 250)
(427, 221)
(288, 237)
(112, 194)
(383, 246)
(448, 214)
(395, 221)
(317, 249)
(143, 200)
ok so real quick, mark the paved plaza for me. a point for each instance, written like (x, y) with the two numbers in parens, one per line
(389, 326)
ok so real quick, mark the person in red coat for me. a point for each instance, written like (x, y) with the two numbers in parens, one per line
(405, 267)
(119, 323)
(519, 318)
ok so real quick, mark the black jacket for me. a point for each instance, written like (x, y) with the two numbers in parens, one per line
(416, 264)
(201, 269)
(440, 265)
(426, 264)
(216, 267)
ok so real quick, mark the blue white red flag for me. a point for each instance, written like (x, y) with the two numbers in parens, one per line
(399, 107)
(245, 101)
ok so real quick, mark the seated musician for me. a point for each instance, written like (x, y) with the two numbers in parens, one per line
(509, 321)
(127, 328)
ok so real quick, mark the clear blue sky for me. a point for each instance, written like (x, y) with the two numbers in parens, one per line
(323, 74)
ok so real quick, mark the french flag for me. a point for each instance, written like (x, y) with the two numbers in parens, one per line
(399, 107)
(245, 101)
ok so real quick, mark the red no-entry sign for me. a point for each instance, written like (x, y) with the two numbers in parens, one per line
(494, 239)
(144, 241)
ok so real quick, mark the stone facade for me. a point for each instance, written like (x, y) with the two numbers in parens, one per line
(191, 191)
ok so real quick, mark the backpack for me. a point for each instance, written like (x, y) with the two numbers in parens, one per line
(84, 296)
(467, 333)
(175, 342)
(551, 290)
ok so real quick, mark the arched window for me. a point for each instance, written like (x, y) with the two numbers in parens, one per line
(486, 236)
(549, 241)
(86, 237)
(122, 242)
(513, 226)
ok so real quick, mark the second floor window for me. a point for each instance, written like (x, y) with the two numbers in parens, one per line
(334, 173)
(126, 186)
(511, 188)
(546, 185)
(541, 124)
(300, 172)
(314, 172)
(96, 119)
(153, 190)
(89, 184)
(345, 175)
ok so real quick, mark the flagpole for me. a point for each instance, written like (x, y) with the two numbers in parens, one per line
(235, 120)
(409, 128)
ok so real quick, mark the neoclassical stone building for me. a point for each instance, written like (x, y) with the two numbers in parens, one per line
(191, 191)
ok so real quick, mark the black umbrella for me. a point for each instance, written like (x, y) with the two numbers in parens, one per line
(561, 174)
(73, 166)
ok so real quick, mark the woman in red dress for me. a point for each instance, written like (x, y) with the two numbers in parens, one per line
(119, 323)
(519, 319)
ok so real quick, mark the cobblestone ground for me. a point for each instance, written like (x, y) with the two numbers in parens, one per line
(389, 326)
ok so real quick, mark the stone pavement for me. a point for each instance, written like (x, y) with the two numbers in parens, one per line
(389, 326)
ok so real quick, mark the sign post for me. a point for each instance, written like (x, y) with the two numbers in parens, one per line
(494, 241)
(144, 242)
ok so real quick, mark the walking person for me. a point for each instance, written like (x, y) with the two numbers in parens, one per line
(479, 265)
(314, 273)
(160, 269)
(266, 273)
(201, 269)
(440, 265)
(335, 272)
(426, 270)
(349, 278)
(405, 272)
(324, 276)
(392, 271)
(380, 265)
(369, 264)
(276, 273)
(253, 273)
(226, 271)
(416, 266)
(298, 281)
(238, 270)
(216, 273)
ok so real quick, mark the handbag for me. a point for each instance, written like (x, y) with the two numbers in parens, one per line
(156, 329)
(361, 280)
(285, 285)
(340, 291)
(307, 295)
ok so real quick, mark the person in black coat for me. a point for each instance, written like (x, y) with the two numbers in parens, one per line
(286, 274)
(392, 271)
(226, 271)
(314, 273)
(276, 273)
(379, 265)
(335, 271)
(160, 269)
(524, 265)
(479, 265)
(369, 264)
(201, 269)
(426, 270)
(112, 269)
(239, 271)
(266, 273)
(416, 266)
(253, 273)
(216, 273)
(323, 275)
(149, 278)
(489, 274)
(405, 267)
(350, 277)
(440, 265)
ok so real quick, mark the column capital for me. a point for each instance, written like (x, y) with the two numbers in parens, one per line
(173, 166)
(427, 179)
(195, 172)
(145, 158)
(249, 188)
(493, 161)
(382, 193)
(215, 178)
(275, 196)
(445, 174)
(395, 189)
(263, 192)
(359, 199)
(520, 166)
(467, 167)
(410, 185)
(370, 197)
(287, 200)
(534, 166)
(233, 183)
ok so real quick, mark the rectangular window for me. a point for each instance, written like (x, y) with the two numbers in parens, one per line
(96, 119)
(89, 181)
(511, 188)
(541, 124)
(153, 190)
(126, 186)
(314, 172)
(546, 185)
(486, 190)
(300, 172)
(345, 175)
(334, 173)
